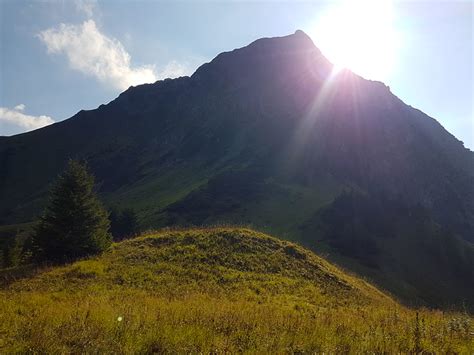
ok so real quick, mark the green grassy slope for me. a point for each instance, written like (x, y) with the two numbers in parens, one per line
(208, 290)
(398, 246)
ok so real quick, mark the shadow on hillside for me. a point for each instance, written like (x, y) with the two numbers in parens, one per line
(11, 275)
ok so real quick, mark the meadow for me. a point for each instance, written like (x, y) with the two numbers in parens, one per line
(214, 290)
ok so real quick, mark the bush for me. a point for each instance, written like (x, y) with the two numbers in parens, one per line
(124, 224)
(11, 252)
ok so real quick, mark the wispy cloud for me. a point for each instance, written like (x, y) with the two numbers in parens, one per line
(87, 7)
(17, 117)
(174, 70)
(93, 53)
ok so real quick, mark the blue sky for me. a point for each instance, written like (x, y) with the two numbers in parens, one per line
(58, 57)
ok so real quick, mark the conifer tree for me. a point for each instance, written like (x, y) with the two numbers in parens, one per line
(124, 224)
(74, 224)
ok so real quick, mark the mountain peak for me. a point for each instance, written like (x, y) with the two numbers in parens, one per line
(298, 41)
(301, 33)
(284, 54)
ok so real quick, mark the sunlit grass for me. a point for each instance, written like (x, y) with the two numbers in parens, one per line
(213, 290)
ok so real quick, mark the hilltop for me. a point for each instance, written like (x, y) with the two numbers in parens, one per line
(268, 135)
(214, 290)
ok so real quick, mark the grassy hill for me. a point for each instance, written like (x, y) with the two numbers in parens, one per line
(214, 290)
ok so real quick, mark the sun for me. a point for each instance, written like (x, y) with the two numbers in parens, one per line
(360, 36)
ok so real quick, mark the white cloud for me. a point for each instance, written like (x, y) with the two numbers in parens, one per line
(17, 118)
(93, 53)
(88, 7)
(174, 70)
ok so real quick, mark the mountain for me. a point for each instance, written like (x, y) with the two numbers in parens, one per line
(214, 290)
(269, 136)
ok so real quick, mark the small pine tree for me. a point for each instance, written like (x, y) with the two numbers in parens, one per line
(124, 224)
(131, 226)
(12, 252)
(74, 224)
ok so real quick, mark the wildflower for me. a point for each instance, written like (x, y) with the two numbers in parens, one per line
(119, 319)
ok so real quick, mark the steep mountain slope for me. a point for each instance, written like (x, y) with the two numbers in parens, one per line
(214, 290)
(269, 135)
